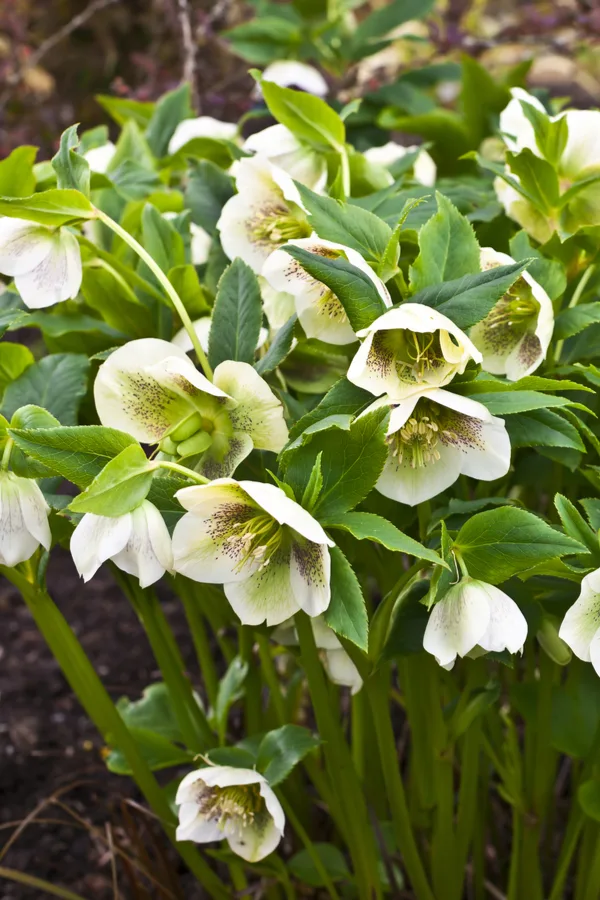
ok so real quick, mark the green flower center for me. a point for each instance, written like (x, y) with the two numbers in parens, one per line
(260, 537)
(279, 228)
(511, 318)
(241, 804)
(207, 426)
(415, 355)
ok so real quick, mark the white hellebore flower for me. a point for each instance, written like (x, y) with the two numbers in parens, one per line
(100, 158)
(283, 148)
(436, 436)
(473, 614)
(338, 665)
(424, 169)
(270, 555)
(138, 542)
(579, 160)
(580, 628)
(203, 126)
(23, 519)
(320, 312)
(265, 213)
(237, 805)
(291, 73)
(410, 349)
(515, 335)
(279, 306)
(44, 262)
(152, 390)
(202, 328)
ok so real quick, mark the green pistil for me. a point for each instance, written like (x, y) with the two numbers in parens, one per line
(261, 536)
(279, 229)
(418, 354)
(238, 804)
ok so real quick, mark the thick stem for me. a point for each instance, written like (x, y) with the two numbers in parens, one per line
(181, 470)
(165, 284)
(92, 695)
(377, 688)
(204, 652)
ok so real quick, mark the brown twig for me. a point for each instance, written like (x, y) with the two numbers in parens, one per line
(189, 49)
(14, 78)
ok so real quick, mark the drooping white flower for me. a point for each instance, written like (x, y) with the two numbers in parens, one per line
(44, 262)
(100, 158)
(291, 73)
(283, 148)
(579, 160)
(580, 628)
(203, 126)
(237, 805)
(270, 555)
(515, 335)
(424, 169)
(338, 665)
(473, 614)
(436, 436)
(320, 312)
(202, 328)
(265, 213)
(138, 542)
(23, 519)
(410, 349)
(152, 390)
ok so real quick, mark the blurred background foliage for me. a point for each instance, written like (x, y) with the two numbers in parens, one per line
(56, 56)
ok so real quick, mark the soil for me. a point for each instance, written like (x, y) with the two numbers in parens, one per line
(48, 746)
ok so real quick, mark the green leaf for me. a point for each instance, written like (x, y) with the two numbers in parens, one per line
(469, 299)
(120, 487)
(542, 428)
(448, 248)
(306, 116)
(217, 151)
(508, 402)
(588, 797)
(169, 111)
(153, 711)
(482, 97)
(302, 865)
(575, 711)
(159, 753)
(122, 110)
(537, 177)
(162, 241)
(229, 691)
(367, 526)
(265, 39)
(353, 288)
(17, 178)
(282, 749)
(57, 382)
(14, 359)
(577, 318)
(383, 20)
(106, 291)
(480, 701)
(499, 543)
(77, 453)
(208, 189)
(237, 316)
(349, 225)
(132, 147)
(550, 273)
(551, 136)
(575, 525)
(72, 170)
(347, 613)
(279, 349)
(350, 466)
(344, 398)
(53, 207)
(187, 284)
(314, 486)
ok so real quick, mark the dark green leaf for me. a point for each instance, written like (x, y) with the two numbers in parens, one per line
(170, 110)
(207, 190)
(237, 316)
(58, 383)
(279, 349)
(347, 613)
(282, 749)
(72, 170)
(448, 248)
(17, 178)
(367, 526)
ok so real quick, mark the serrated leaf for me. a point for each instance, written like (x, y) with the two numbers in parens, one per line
(347, 613)
(58, 383)
(279, 349)
(53, 207)
(368, 526)
(170, 110)
(237, 316)
(344, 398)
(448, 248)
(72, 170)
(120, 487)
(575, 525)
(576, 319)
(306, 116)
(282, 749)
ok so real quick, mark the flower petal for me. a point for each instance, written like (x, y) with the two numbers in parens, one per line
(215, 465)
(259, 413)
(290, 72)
(516, 128)
(456, 624)
(35, 511)
(266, 596)
(23, 245)
(96, 539)
(582, 620)
(147, 553)
(17, 542)
(286, 511)
(400, 481)
(507, 629)
(341, 670)
(300, 161)
(582, 151)
(57, 277)
(310, 571)
(203, 126)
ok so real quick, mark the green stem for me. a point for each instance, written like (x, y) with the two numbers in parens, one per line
(6, 455)
(93, 697)
(195, 730)
(204, 651)
(309, 846)
(577, 294)
(252, 692)
(270, 675)
(181, 470)
(165, 283)
(592, 876)
(46, 887)
(377, 688)
(341, 771)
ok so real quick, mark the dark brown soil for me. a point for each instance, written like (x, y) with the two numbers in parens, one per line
(48, 745)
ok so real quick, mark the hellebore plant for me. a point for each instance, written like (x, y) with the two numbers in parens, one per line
(348, 423)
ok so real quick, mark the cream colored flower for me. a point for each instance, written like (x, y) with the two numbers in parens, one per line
(291, 73)
(23, 519)
(580, 628)
(287, 152)
(44, 262)
(203, 126)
